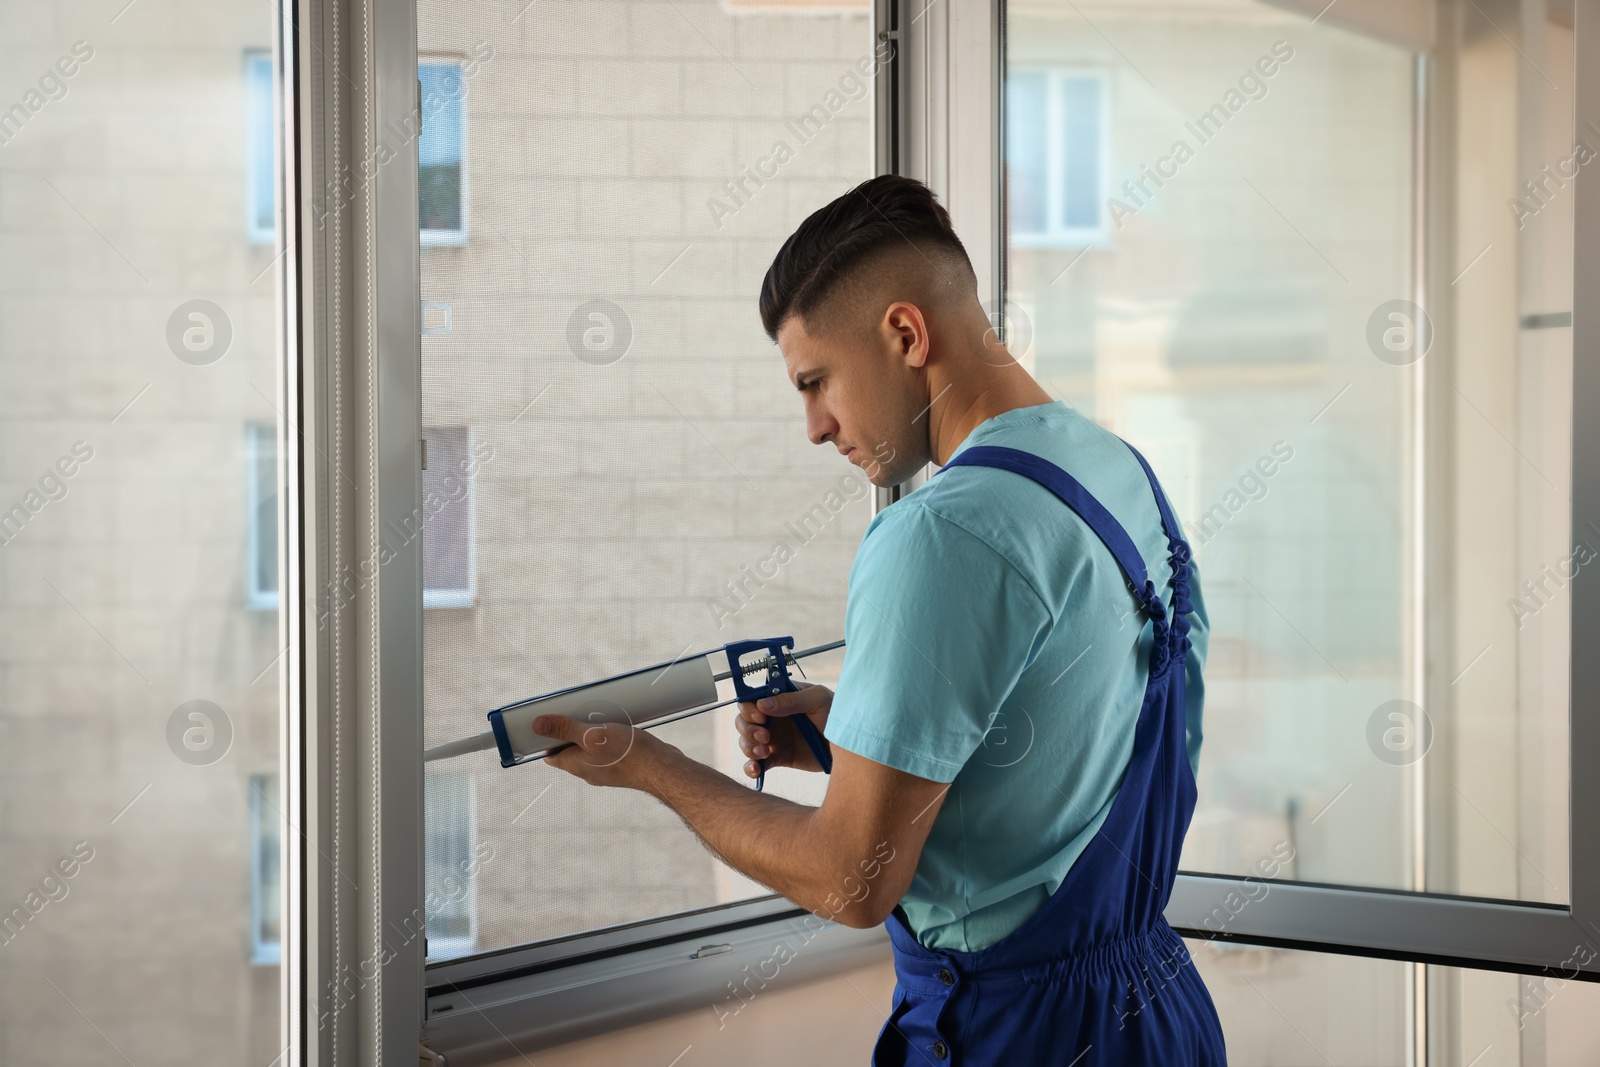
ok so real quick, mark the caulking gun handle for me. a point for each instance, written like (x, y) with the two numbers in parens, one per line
(809, 733)
(815, 742)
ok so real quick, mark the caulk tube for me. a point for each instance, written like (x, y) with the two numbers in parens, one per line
(638, 697)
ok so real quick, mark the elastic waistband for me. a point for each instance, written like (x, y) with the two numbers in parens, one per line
(1159, 950)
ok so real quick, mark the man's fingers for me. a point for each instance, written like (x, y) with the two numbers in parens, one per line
(559, 727)
(780, 704)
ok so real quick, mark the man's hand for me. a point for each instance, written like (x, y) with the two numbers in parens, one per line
(765, 731)
(606, 753)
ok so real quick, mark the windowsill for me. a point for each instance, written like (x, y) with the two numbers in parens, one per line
(444, 238)
(487, 1019)
(449, 598)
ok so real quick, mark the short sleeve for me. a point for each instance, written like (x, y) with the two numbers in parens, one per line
(938, 628)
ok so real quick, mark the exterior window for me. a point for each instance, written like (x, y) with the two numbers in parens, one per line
(452, 867)
(1058, 157)
(265, 905)
(259, 151)
(261, 525)
(441, 154)
(449, 568)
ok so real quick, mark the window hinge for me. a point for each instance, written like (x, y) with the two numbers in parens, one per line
(426, 1057)
(710, 950)
(424, 453)
(888, 35)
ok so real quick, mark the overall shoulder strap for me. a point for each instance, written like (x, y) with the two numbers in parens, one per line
(1071, 493)
(1169, 522)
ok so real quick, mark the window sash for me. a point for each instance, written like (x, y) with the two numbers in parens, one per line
(1535, 938)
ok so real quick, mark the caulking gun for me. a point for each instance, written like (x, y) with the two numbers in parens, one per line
(650, 696)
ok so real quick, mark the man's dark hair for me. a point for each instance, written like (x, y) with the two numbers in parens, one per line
(880, 214)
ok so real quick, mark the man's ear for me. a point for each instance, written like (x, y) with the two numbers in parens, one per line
(906, 329)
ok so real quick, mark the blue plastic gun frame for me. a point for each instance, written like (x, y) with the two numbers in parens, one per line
(637, 697)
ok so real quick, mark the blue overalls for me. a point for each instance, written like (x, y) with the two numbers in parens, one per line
(1096, 976)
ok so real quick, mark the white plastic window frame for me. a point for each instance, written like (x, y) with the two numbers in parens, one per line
(1057, 234)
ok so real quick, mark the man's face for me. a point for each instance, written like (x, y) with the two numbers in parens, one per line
(860, 396)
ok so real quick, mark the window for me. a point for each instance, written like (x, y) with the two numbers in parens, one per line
(1389, 506)
(452, 859)
(441, 153)
(1058, 156)
(261, 516)
(260, 149)
(266, 937)
(448, 560)
(630, 191)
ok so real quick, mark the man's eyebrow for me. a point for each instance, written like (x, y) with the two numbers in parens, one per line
(800, 378)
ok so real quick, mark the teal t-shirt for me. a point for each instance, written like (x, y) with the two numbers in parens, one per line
(991, 642)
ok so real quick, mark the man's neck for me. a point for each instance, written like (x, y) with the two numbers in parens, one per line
(956, 412)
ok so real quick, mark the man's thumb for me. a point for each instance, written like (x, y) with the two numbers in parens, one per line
(557, 726)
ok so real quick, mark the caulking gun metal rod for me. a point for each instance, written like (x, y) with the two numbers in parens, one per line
(790, 656)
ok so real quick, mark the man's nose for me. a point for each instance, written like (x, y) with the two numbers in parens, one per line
(820, 426)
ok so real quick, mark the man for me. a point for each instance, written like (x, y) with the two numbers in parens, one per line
(1017, 721)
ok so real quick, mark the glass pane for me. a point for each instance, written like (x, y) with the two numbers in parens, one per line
(1027, 161)
(265, 855)
(140, 916)
(262, 489)
(1490, 1019)
(1497, 778)
(1080, 152)
(441, 146)
(452, 863)
(630, 170)
(1366, 490)
(447, 485)
(1281, 1008)
(260, 161)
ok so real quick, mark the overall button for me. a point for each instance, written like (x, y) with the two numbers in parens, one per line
(940, 1050)
(946, 977)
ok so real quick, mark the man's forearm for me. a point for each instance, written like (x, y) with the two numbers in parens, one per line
(775, 841)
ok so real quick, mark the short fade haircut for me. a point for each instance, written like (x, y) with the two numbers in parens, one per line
(877, 216)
